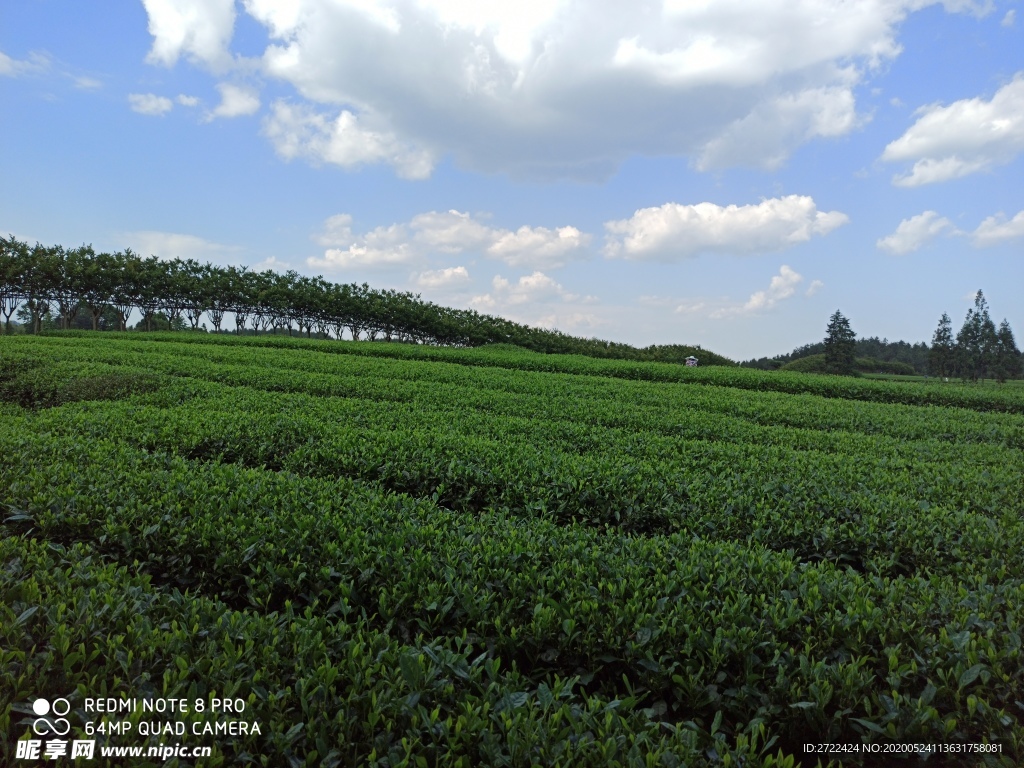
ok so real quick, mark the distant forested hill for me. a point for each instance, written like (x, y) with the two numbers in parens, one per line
(914, 355)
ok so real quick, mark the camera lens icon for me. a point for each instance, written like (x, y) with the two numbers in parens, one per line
(57, 725)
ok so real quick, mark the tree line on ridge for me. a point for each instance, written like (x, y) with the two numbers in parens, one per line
(57, 287)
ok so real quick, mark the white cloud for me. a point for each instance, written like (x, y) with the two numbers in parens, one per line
(539, 300)
(782, 286)
(455, 232)
(200, 30)
(451, 231)
(530, 288)
(768, 134)
(914, 232)
(149, 104)
(337, 231)
(187, 101)
(1009, 18)
(536, 299)
(272, 263)
(173, 245)
(347, 141)
(577, 323)
(691, 307)
(532, 246)
(519, 86)
(996, 229)
(442, 278)
(34, 64)
(448, 232)
(235, 101)
(968, 136)
(7, 65)
(85, 83)
(380, 247)
(674, 231)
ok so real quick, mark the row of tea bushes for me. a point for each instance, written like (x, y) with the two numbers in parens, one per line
(940, 511)
(74, 624)
(576, 398)
(1000, 399)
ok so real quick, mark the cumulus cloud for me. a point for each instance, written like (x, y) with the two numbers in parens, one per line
(996, 230)
(520, 86)
(536, 299)
(1009, 18)
(348, 141)
(539, 300)
(537, 245)
(380, 247)
(200, 30)
(235, 101)
(674, 231)
(149, 104)
(187, 101)
(454, 232)
(914, 232)
(272, 263)
(782, 286)
(766, 136)
(442, 278)
(448, 232)
(451, 231)
(337, 231)
(174, 245)
(965, 137)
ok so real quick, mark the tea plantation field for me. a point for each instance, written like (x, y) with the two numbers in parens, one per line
(412, 556)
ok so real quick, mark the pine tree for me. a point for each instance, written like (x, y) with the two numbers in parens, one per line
(940, 356)
(976, 341)
(840, 345)
(1007, 362)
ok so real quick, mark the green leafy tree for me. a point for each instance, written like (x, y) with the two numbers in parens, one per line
(72, 272)
(840, 345)
(14, 257)
(942, 353)
(155, 285)
(98, 281)
(189, 286)
(243, 296)
(173, 301)
(126, 288)
(42, 278)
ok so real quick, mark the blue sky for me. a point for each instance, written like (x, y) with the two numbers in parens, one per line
(724, 174)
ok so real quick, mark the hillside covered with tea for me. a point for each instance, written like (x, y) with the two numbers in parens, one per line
(401, 555)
